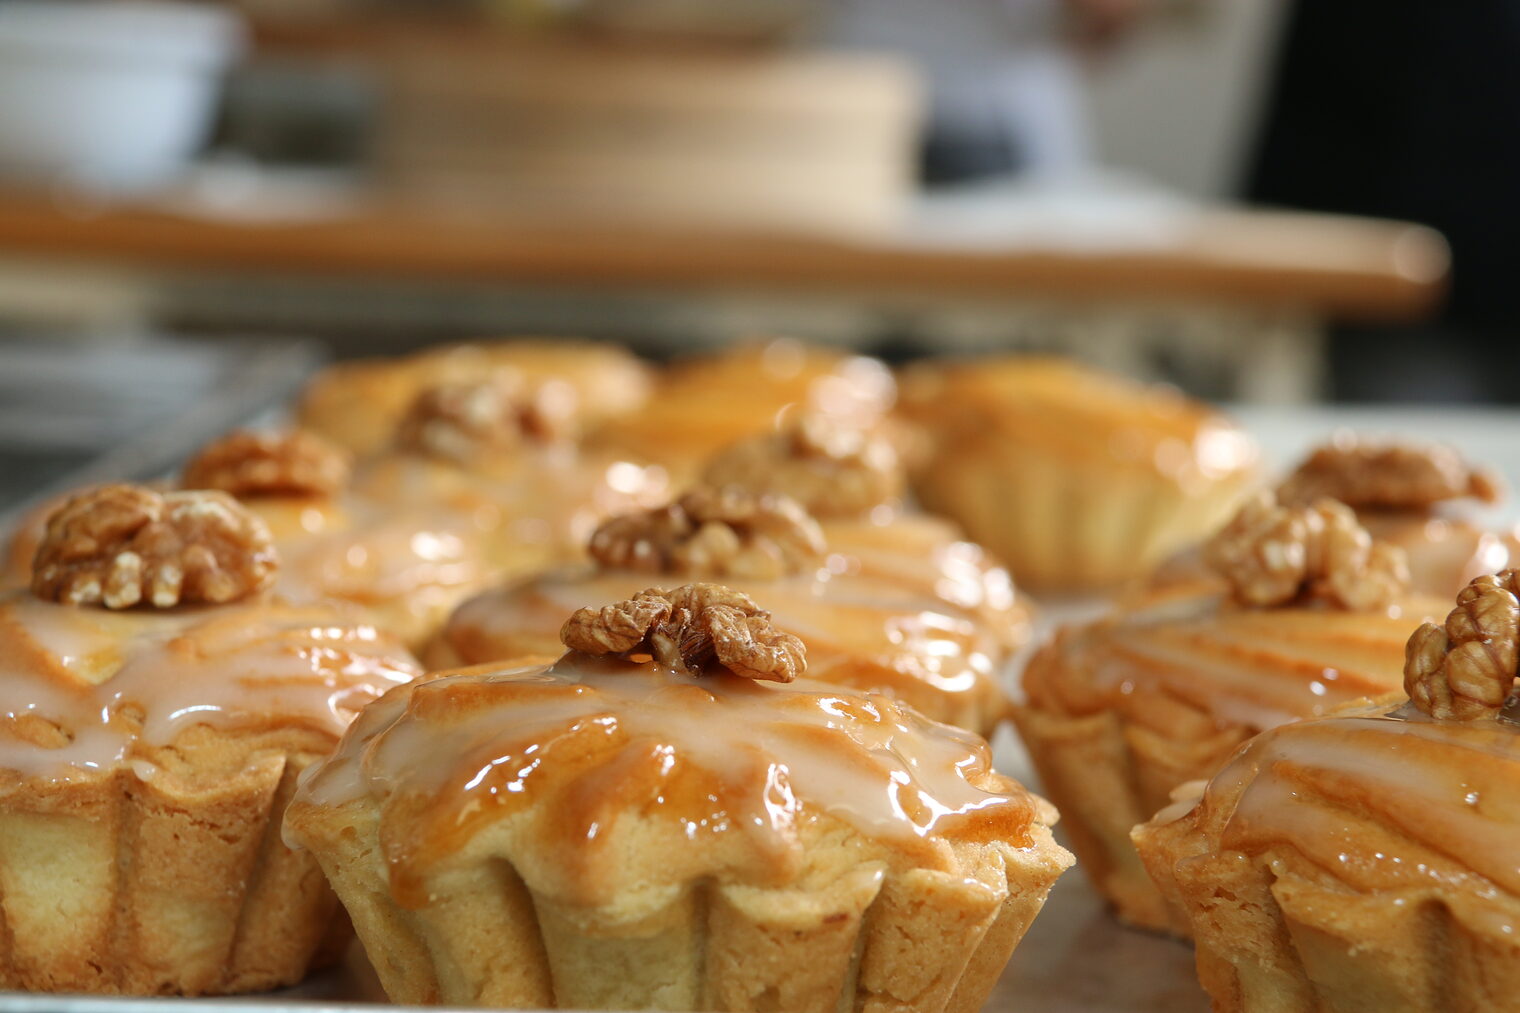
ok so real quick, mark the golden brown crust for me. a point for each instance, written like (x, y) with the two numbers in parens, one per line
(464, 421)
(1397, 476)
(1465, 670)
(713, 533)
(832, 469)
(120, 545)
(691, 629)
(249, 465)
(1279, 555)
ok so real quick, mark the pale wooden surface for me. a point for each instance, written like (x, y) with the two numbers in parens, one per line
(1333, 267)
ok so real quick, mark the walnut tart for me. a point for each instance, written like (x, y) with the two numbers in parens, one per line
(852, 479)
(494, 454)
(1367, 860)
(406, 565)
(159, 705)
(902, 637)
(1423, 497)
(1297, 610)
(673, 816)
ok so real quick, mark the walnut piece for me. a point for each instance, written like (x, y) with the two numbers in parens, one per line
(832, 469)
(123, 544)
(1279, 555)
(463, 422)
(1465, 670)
(693, 629)
(1389, 476)
(713, 533)
(249, 465)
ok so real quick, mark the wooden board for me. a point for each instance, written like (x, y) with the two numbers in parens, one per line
(1336, 267)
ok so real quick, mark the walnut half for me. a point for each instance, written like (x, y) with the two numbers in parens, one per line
(463, 422)
(1279, 555)
(1389, 476)
(832, 469)
(693, 629)
(249, 465)
(120, 545)
(1465, 670)
(713, 533)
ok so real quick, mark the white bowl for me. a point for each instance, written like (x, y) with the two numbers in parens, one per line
(117, 94)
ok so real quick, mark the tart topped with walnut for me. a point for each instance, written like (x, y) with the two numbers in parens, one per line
(852, 479)
(1422, 497)
(495, 455)
(1297, 609)
(896, 637)
(358, 405)
(160, 703)
(706, 403)
(405, 565)
(674, 815)
(1366, 859)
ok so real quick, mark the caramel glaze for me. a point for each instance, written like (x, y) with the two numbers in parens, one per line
(860, 632)
(726, 774)
(89, 691)
(406, 567)
(927, 554)
(1378, 798)
(705, 404)
(1255, 668)
(531, 509)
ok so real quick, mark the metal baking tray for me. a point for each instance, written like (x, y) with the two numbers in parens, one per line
(1076, 957)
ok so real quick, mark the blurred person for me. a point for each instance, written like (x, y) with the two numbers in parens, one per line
(1408, 109)
(1004, 75)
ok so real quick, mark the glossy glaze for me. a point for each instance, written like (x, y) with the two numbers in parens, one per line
(1252, 667)
(860, 631)
(87, 689)
(1380, 798)
(600, 747)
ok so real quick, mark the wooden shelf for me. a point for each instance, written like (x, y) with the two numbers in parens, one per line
(1336, 267)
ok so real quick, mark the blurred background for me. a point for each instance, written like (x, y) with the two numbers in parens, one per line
(1259, 200)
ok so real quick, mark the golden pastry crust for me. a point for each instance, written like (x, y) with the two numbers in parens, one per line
(833, 470)
(1399, 475)
(146, 760)
(251, 465)
(1278, 555)
(713, 533)
(690, 629)
(120, 545)
(1465, 669)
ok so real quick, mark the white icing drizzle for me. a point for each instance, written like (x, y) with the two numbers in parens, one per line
(1381, 800)
(117, 683)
